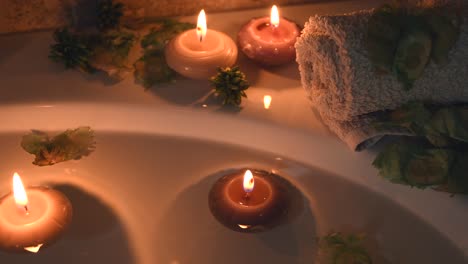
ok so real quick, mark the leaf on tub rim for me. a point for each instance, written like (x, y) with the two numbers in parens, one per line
(72, 144)
(435, 156)
(151, 68)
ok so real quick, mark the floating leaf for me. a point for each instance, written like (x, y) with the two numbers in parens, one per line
(344, 249)
(69, 145)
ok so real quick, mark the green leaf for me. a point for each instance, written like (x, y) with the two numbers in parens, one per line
(108, 14)
(112, 53)
(391, 162)
(403, 40)
(409, 163)
(158, 36)
(428, 167)
(119, 42)
(458, 179)
(344, 249)
(69, 145)
(452, 122)
(152, 69)
(71, 49)
(382, 38)
(413, 116)
(445, 35)
(412, 55)
(34, 142)
(441, 161)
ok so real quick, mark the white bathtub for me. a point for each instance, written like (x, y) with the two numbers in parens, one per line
(141, 197)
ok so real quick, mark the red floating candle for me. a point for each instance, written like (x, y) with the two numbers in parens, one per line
(250, 202)
(269, 40)
(32, 218)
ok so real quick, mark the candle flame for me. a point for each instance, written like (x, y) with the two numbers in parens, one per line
(19, 193)
(274, 17)
(201, 25)
(34, 249)
(248, 182)
(267, 101)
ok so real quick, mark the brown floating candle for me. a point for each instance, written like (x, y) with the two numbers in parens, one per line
(250, 202)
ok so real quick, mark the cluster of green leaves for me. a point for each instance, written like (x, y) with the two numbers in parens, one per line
(165, 30)
(111, 45)
(76, 50)
(152, 68)
(108, 14)
(230, 84)
(71, 49)
(72, 144)
(344, 249)
(436, 156)
(402, 40)
(117, 45)
(119, 42)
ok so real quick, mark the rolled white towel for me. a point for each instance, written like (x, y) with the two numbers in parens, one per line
(342, 83)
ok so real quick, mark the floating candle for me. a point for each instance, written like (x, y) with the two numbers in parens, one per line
(248, 202)
(197, 53)
(32, 218)
(269, 40)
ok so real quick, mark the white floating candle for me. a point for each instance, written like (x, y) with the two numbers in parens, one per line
(197, 53)
(32, 218)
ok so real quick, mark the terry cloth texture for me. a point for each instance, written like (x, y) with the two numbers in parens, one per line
(344, 87)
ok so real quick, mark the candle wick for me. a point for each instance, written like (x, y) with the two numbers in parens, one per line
(274, 28)
(26, 209)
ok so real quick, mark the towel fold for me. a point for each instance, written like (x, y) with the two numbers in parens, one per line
(344, 87)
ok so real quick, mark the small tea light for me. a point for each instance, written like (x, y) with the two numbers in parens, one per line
(269, 40)
(250, 202)
(197, 53)
(32, 218)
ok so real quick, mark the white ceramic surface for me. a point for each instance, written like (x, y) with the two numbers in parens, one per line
(153, 168)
